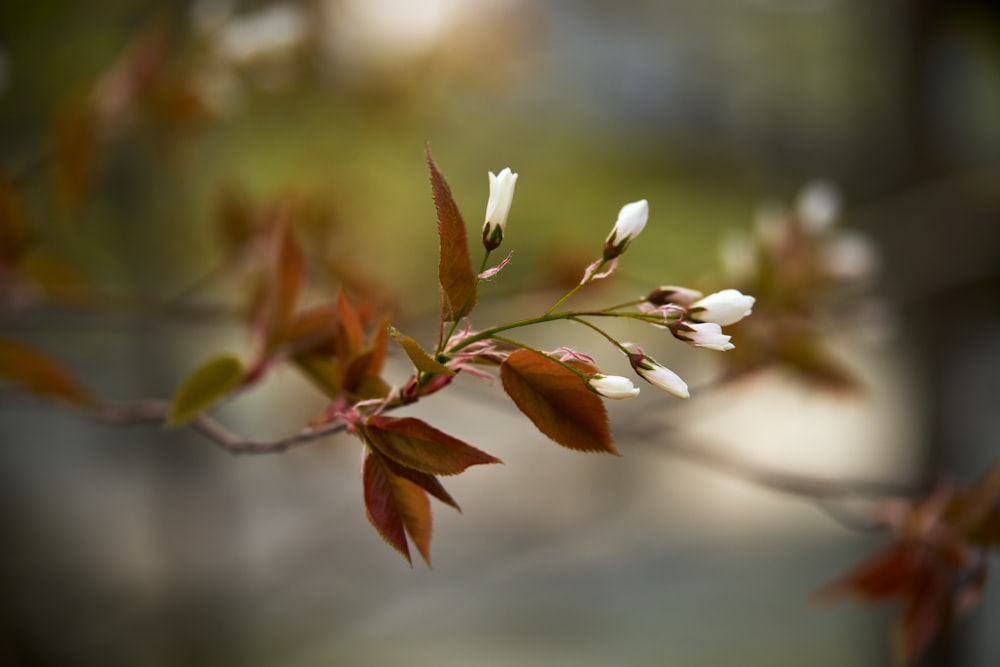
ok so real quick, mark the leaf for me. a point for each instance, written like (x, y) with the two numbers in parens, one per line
(428, 483)
(324, 373)
(75, 154)
(13, 234)
(284, 283)
(351, 337)
(203, 388)
(892, 573)
(556, 400)
(396, 506)
(422, 361)
(362, 376)
(235, 220)
(59, 281)
(36, 372)
(457, 281)
(312, 331)
(981, 501)
(418, 445)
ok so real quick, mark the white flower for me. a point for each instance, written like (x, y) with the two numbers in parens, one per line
(704, 334)
(849, 256)
(631, 220)
(818, 205)
(657, 374)
(498, 207)
(726, 307)
(612, 386)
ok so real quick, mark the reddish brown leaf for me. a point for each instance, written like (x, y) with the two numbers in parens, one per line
(284, 283)
(75, 154)
(428, 483)
(38, 373)
(236, 220)
(380, 348)
(892, 573)
(457, 281)
(396, 507)
(351, 340)
(13, 236)
(921, 621)
(313, 331)
(981, 501)
(557, 401)
(418, 445)
(359, 382)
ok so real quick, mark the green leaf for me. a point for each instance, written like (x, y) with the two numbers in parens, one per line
(213, 380)
(36, 372)
(415, 444)
(457, 281)
(323, 372)
(421, 360)
(396, 507)
(556, 400)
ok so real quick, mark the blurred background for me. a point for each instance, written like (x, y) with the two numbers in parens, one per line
(129, 129)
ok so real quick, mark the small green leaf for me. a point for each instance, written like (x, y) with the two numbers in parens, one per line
(213, 380)
(557, 402)
(34, 371)
(415, 444)
(323, 372)
(422, 361)
(457, 281)
(396, 507)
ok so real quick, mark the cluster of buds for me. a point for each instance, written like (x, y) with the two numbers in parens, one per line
(689, 315)
(697, 319)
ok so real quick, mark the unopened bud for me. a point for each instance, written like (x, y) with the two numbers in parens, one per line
(631, 220)
(666, 294)
(498, 207)
(657, 374)
(703, 334)
(724, 308)
(612, 386)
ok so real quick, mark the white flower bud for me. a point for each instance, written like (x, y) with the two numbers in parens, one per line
(631, 220)
(498, 207)
(656, 374)
(726, 307)
(682, 296)
(612, 386)
(704, 334)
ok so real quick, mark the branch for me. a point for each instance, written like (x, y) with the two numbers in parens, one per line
(814, 488)
(154, 411)
(829, 495)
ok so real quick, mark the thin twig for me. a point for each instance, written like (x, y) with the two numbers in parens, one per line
(153, 411)
(814, 488)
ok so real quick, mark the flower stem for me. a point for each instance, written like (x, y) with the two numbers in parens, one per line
(443, 340)
(518, 344)
(564, 298)
(601, 331)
